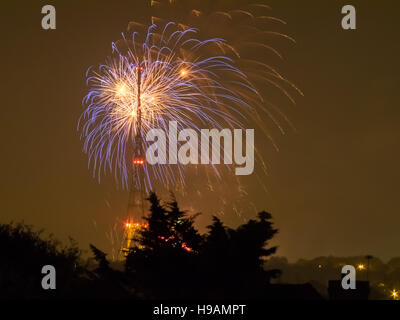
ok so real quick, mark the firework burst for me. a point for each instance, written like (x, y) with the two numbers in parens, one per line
(182, 78)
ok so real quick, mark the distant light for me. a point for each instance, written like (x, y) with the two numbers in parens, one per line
(361, 267)
(138, 161)
(183, 73)
(185, 247)
(394, 294)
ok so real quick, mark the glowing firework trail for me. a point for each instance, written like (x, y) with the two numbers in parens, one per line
(183, 79)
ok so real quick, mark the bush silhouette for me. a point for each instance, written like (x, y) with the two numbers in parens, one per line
(23, 253)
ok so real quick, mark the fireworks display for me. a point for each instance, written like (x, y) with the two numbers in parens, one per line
(183, 80)
(203, 68)
(163, 149)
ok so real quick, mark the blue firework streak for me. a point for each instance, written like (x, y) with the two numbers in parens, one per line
(184, 79)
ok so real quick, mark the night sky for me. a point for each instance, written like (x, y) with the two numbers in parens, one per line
(333, 187)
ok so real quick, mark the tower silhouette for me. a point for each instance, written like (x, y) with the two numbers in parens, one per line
(135, 210)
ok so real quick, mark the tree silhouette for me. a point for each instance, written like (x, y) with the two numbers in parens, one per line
(24, 252)
(174, 260)
(100, 257)
(107, 282)
(185, 234)
(234, 258)
(160, 264)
